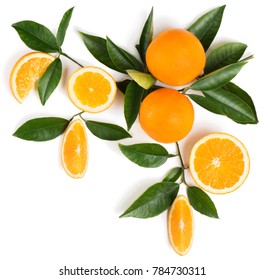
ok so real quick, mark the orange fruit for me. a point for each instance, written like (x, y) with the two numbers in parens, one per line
(91, 89)
(219, 163)
(175, 57)
(166, 115)
(181, 225)
(27, 71)
(75, 149)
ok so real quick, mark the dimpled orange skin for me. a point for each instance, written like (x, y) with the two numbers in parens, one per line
(175, 57)
(166, 115)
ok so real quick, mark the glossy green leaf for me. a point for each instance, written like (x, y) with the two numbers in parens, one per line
(107, 131)
(49, 80)
(121, 58)
(219, 77)
(122, 85)
(36, 36)
(63, 27)
(173, 175)
(146, 155)
(146, 36)
(155, 200)
(201, 202)
(224, 55)
(97, 47)
(42, 129)
(144, 80)
(206, 27)
(133, 96)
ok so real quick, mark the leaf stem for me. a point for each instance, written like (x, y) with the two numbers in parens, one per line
(64, 54)
(78, 114)
(182, 164)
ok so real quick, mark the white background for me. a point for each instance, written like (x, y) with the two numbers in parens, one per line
(49, 220)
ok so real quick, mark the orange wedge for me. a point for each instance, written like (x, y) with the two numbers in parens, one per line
(91, 89)
(181, 225)
(75, 149)
(219, 163)
(27, 71)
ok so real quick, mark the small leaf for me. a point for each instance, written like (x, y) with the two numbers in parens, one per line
(122, 85)
(224, 55)
(63, 27)
(49, 80)
(218, 78)
(206, 27)
(36, 36)
(146, 37)
(133, 96)
(155, 200)
(97, 47)
(121, 58)
(146, 155)
(144, 80)
(173, 175)
(107, 131)
(201, 202)
(42, 129)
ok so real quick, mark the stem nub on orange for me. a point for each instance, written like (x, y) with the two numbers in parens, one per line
(166, 115)
(175, 57)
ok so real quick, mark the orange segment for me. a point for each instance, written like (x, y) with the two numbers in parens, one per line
(27, 72)
(91, 89)
(75, 149)
(181, 225)
(219, 163)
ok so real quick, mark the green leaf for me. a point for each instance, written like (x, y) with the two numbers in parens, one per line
(224, 55)
(36, 36)
(49, 80)
(133, 96)
(42, 129)
(218, 78)
(63, 27)
(121, 58)
(206, 27)
(173, 175)
(146, 155)
(201, 202)
(122, 85)
(107, 131)
(144, 80)
(155, 200)
(97, 47)
(146, 37)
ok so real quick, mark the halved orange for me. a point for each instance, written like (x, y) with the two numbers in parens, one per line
(219, 163)
(27, 71)
(91, 89)
(75, 149)
(181, 225)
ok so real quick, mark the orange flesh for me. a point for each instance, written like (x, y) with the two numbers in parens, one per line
(92, 89)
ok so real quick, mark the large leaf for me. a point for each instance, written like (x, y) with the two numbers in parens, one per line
(122, 85)
(63, 27)
(219, 77)
(121, 58)
(36, 36)
(42, 129)
(49, 80)
(206, 27)
(155, 200)
(107, 131)
(224, 55)
(201, 202)
(146, 155)
(173, 175)
(97, 47)
(133, 96)
(146, 36)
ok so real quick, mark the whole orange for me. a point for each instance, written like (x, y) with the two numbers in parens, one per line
(175, 57)
(166, 115)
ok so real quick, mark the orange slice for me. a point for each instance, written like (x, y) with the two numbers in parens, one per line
(27, 71)
(181, 225)
(75, 149)
(219, 163)
(91, 89)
